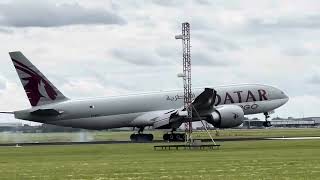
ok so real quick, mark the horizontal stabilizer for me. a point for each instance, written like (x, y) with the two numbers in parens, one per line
(6, 112)
(46, 112)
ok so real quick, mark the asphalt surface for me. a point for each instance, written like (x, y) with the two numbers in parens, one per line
(128, 142)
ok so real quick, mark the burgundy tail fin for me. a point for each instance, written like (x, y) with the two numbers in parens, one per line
(38, 88)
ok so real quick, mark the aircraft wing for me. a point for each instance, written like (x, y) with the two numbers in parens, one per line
(204, 103)
(206, 100)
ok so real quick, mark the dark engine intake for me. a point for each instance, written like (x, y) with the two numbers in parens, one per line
(227, 116)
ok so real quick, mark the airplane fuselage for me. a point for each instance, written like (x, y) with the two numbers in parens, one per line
(140, 110)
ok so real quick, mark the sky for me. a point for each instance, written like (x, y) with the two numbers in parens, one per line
(91, 48)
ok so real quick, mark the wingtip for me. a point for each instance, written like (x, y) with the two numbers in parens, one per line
(14, 52)
(16, 55)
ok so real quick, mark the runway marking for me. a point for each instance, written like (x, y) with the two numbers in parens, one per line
(294, 138)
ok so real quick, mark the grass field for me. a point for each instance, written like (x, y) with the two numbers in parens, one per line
(124, 135)
(277, 159)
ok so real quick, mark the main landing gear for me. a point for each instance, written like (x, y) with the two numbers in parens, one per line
(140, 137)
(266, 123)
(174, 136)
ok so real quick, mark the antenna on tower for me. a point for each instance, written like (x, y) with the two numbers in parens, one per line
(186, 75)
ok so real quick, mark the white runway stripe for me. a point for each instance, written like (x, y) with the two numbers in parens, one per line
(294, 138)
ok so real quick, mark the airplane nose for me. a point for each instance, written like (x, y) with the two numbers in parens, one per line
(281, 95)
(285, 97)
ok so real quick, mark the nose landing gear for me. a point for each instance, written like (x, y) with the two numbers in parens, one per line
(266, 123)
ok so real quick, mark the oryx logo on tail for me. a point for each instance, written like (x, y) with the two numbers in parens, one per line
(34, 84)
(37, 87)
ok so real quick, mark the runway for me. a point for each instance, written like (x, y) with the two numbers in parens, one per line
(294, 138)
(155, 141)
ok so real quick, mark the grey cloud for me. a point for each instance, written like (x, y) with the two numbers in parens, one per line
(314, 79)
(267, 24)
(3, 84)
(200, 25)
(139, 57)
(296, 52)
(174, 3)
(215, 42)
(169, 2)
(203, 2)
(199, 57)
(108, 80)
(169, 52)
(197, 24)
(203, 59)
(46, 14)
(6, 31)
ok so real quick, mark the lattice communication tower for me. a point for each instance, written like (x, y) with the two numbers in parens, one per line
(185, 36)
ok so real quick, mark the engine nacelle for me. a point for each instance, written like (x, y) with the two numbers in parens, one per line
(227, 116)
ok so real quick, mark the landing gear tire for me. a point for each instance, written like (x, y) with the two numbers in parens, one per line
(174, 137)
(266, 123)
(141, 137)
(166, 137)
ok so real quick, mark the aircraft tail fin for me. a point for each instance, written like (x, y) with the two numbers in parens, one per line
(38, 88)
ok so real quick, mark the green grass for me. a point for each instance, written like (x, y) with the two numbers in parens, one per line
(273, 132)
(276, 159)
(124, 135)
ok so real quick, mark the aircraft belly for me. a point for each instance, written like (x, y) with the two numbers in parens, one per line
(273, 104)
(103, 122)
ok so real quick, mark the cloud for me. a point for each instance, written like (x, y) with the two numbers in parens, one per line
(169, 2)
(314, 79)
(13, 97)
(205, 59)
(7, 118)
(6, 31)
(297, 106)
(135, 56)
(179, 3)
(216, 42)
(84, 88)
(293, 22)
(296, 52)
(172, 52)
(245, 41)
(3, 83)
(163, 56)
(203, 2)
(46, 14)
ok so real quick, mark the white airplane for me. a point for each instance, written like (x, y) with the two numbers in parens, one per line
(223, 107)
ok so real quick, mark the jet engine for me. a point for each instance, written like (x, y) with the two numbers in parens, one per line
(227, 116)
